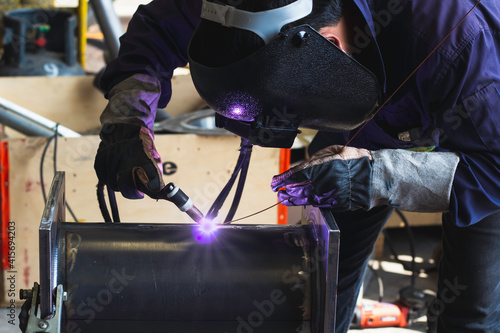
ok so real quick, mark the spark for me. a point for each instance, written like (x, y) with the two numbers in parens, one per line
(205, 231)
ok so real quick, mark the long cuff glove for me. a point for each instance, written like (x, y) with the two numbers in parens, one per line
(127, 159)
(349, 178)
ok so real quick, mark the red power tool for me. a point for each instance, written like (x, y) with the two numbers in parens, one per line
(412, 304)
(380, 315)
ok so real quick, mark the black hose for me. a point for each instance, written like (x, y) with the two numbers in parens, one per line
(380, 283)
(247, 150)
(113, 205)
(102, 204)
(413, 252)
(411, 238)
(221, 198)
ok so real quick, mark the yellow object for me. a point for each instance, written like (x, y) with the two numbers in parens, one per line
(82, 30)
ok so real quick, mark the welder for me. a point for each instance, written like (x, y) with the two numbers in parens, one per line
(405, 99)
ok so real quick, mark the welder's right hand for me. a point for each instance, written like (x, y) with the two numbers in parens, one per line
(127, 161)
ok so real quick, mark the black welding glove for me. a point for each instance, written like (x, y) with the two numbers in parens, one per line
(350, 178)
(333, 177)
(127, 160)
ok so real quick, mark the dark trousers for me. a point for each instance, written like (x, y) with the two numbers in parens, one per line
(469, 273)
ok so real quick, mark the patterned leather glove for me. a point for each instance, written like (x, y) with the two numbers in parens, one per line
(333, 177)
(127, 160)
(351, 178)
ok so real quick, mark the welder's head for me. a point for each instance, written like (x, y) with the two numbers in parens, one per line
(266, 70)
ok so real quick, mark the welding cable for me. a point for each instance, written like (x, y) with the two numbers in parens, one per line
(412, 246)
(221, 198)
(379, 281)
(113, 205)
(411, 238)
(102, 204)
(246, 149)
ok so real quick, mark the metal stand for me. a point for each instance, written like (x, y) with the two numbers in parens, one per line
(136, 277)
(110, 25)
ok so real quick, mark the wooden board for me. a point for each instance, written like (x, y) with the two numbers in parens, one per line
(204, 165)
(74, 102)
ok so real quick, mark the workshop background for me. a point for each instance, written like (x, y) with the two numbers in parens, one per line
(64, 92)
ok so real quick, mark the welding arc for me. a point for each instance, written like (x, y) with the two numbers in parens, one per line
(412, 73)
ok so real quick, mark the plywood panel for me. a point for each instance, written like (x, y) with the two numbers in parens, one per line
(74, 102)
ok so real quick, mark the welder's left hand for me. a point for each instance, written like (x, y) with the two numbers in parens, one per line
(350, 178)
(334, 177)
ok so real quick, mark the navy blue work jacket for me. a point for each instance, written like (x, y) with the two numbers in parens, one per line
(451, 103)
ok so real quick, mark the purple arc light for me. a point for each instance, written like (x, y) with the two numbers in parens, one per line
(205, 231)
(237, 110)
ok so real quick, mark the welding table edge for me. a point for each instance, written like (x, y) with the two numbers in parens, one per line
(324, 231)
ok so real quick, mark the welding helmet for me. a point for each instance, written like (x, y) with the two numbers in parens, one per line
(298, 79)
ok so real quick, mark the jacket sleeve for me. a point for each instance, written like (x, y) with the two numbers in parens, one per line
(155, 44)
(471, 128)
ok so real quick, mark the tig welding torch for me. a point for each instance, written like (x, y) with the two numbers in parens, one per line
(175, 195)
(170, 193)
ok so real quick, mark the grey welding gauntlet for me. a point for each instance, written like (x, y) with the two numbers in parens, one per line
(350, 178)
(127, 159)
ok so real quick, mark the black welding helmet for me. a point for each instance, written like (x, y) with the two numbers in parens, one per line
(298, 79)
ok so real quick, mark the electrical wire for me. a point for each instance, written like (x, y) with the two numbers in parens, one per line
(241, 184)
(42, 160)
(411, 238)
(380, 283)
(54, 159)
(413, 252)
(102, 204)
(241, 164)
(113, 204)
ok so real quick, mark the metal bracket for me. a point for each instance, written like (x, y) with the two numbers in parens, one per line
(51, 324)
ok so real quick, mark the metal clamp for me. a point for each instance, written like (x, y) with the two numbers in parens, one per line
(50, 324)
